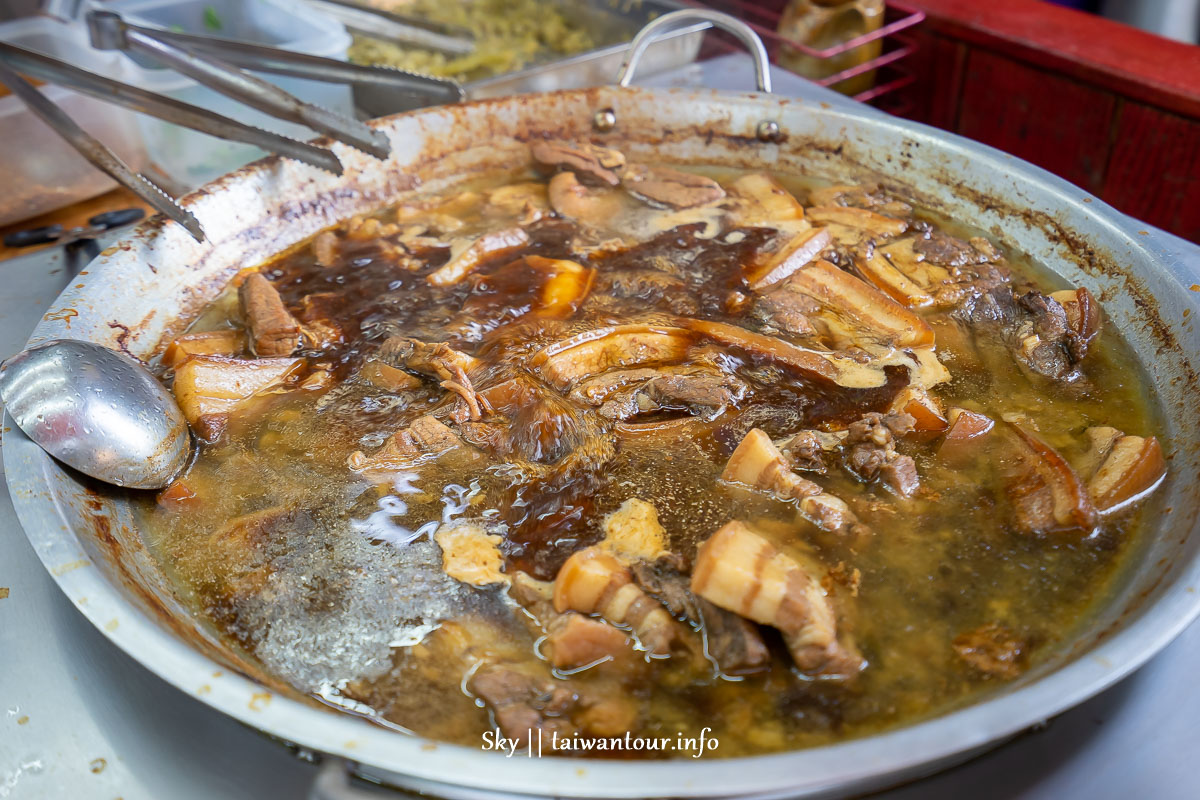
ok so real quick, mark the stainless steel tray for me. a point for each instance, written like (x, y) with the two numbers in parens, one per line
(610, 19)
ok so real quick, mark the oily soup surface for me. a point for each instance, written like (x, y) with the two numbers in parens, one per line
(374, 519)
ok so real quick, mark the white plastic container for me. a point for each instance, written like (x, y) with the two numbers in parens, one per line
(189, 158)
(41, 172)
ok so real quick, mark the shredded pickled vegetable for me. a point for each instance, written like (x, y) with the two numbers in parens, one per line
(509, 35)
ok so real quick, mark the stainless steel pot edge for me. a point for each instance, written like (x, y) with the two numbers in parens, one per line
(851, 766)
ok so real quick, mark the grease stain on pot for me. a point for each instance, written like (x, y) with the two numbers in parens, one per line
(111, 625)
(259, 701)
(63, 569)
(64, 316)
(3, 592)
(97, 765)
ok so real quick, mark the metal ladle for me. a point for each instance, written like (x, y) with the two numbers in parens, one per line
(97, 410)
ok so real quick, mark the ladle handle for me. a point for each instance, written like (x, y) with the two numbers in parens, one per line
(677, 19)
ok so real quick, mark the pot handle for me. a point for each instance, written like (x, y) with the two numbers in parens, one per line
(677, 19)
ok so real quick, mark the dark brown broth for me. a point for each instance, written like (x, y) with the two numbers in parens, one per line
(327, 604)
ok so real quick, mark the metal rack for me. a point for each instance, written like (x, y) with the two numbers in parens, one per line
(892, 73)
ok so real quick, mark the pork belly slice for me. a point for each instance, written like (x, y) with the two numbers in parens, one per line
(849, 369)
(904, 270)
(565, 363)
(593, 581)
(273, 330)
(738, 570)
(759, 200)
(595, 207)
(1122, 469)
(962, 443)
(469, 255)
(227, 342)
(769, 348)
(1046, 494)
(758, 464)
(851, 226)
(573, 640)
(209, 388)
(849, 311)
(790, 251)
(635, 537)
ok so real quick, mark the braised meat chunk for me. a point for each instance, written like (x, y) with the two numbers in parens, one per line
(869, 451)
(273, 330)
(733, 642)
(600, 163)
(740, 571)
(662, 186)
(993, 650)
(595, 582)
(523, 705)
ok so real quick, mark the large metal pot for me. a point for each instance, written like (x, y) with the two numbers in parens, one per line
(151, 285)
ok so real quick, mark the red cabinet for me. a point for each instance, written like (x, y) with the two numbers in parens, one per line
(1108, 107)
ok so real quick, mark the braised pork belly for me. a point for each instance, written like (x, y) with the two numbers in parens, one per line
(605, 446)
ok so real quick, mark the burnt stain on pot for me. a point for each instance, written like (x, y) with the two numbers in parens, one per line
(123, 337)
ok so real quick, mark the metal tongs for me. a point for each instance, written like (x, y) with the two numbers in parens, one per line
(219, 64)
